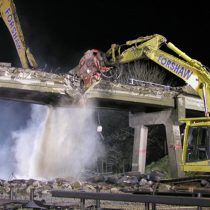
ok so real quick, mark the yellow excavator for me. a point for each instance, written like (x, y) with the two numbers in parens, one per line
(9, 15)
(196, 143)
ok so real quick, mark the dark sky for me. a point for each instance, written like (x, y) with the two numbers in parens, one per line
(59, 31)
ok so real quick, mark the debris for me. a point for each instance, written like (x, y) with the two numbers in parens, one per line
(127, 180)
(114, 190)
(95, 179)
(159, 168)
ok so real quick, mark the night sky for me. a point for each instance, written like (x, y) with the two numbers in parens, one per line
(58, 32)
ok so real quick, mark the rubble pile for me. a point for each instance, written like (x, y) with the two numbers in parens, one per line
(160, 165)
(90, 182)
(131, 181)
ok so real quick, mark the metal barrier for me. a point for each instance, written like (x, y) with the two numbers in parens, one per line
(147, 199)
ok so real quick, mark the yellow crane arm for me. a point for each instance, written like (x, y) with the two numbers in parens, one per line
(9, 15)
(194, 75)
(190, 70)
(135, 49)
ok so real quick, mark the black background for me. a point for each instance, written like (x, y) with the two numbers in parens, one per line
(60, 31)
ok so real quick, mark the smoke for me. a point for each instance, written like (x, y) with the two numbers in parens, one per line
(57, 142)
(13, 117)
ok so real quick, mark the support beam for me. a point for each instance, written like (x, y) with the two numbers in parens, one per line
(174, 149)
(180, 107)
(139, 149)
(152, 118)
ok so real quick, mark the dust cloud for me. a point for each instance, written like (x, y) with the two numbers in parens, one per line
(13, 117)
(57, 142)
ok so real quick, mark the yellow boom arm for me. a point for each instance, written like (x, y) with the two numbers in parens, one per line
(9, 15)
(190, 70)
(135, 49)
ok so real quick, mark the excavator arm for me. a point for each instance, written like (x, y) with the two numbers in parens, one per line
(133, 49)
(190, 70)
(9, 15)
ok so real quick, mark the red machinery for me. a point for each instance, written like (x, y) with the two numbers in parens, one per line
(91, 66)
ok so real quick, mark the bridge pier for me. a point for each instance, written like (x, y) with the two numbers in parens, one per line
(139, 148)
(169, 118)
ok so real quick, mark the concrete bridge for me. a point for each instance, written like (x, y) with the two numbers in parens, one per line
(147, 105)
(151, 105)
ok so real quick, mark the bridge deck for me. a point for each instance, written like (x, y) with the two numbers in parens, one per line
(33, 86)
(48, 88)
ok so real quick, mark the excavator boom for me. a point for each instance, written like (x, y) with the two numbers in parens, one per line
(197, 78)
(9, 15)
(134, 49)
(190, 70)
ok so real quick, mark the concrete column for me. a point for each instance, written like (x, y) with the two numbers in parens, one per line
(181, 111)
(174, 149)
(139, 149)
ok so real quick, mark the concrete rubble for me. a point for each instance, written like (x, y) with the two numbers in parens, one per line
(128, 182)
(113, 183)
(19, 190)
(90, 182)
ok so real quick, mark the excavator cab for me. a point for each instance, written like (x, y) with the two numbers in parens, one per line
(196, 145)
